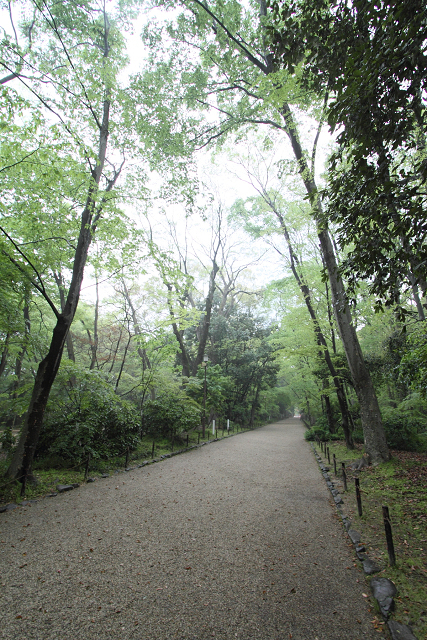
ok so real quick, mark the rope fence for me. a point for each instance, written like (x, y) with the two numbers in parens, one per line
(89, 460)
(358, 494)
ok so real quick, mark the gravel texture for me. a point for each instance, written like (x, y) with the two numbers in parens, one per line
(237, 539)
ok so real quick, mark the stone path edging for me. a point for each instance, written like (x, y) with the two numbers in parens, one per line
(382, 589)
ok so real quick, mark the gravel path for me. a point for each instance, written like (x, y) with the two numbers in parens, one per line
(237, 539)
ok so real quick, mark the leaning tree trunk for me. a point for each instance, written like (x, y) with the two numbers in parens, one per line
(328, 409)
(5, 353)
(145, 360)
(320, 338)
(59, 279)
(373, 430)
(21, 465)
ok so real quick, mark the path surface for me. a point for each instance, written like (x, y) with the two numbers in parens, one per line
(236, 539)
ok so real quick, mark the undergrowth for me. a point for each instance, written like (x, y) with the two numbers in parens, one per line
(53, 470)
(401, 485)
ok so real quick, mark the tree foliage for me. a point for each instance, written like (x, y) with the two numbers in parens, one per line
(370, 58)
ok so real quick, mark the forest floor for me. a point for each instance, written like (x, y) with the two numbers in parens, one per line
(401, 485)
(237, 539)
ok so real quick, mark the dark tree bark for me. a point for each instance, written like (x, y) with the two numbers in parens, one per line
(94, 344)
(374, 435)
(320, 338)
(21, 465)
(59, 279)
(190, 365)
(4, 355)
(373, 430)
(146, 364)
(328, 409)
(14, 420)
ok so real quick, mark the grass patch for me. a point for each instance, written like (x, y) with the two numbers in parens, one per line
(401, 485)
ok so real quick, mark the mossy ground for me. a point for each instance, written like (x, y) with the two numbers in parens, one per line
(401, 485)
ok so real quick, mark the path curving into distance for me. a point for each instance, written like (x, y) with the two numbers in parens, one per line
(237, 539)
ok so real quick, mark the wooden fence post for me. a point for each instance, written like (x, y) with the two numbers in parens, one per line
(358, 496)
(344, 476)
(389, 537)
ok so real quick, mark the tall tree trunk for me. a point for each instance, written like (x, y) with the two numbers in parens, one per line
(123, 362)
(189, 365)
(14, 420)
(5, 353)
(204, 330)
(416, 296)
(94, 343)
(21, 465)
(60, 283)
(320, 338)
(146, 364)
(328, 409)
(373, 430)
(116, 350)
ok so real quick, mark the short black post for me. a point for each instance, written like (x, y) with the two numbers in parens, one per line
(329, 457)
(187, 439)
(335, 463)
(152, 450)
(127, 458)
(358, 496)
(198, 437)
(389, 537)
(87, 466)
(344, 476)
(173, 442)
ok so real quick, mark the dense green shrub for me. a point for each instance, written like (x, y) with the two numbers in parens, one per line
(403, 430)
(89, 418)
(321, 431)
(316, 433)
(169, 414)
(7, 439)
